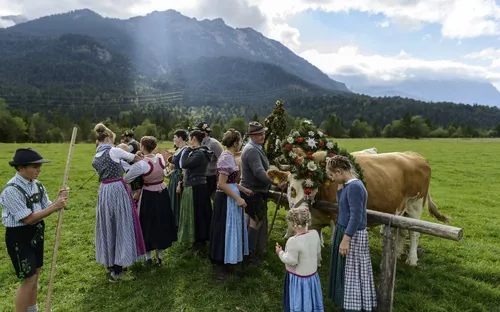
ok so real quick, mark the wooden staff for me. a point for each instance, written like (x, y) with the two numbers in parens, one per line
(59, 223)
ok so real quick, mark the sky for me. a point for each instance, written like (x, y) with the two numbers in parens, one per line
(380, 40)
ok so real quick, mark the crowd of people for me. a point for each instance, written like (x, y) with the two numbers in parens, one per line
(214, 202)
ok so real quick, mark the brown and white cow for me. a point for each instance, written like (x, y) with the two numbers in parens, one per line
(397, 183)
(167, 155)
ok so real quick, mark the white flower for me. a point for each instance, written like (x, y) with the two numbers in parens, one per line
(320, 133)
(296, 134)
(292, 155)
(278, 142)
(311, 166)
(308, 122)
(309, 182)
(311, 133)
(311, 142)
(330, 145)
(290, 140)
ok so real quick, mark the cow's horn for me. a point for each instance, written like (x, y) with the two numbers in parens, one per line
(280, 166)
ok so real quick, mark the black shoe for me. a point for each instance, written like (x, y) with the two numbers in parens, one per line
(158, 262)
(149, 262)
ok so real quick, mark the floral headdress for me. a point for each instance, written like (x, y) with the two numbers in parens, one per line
(298, 149)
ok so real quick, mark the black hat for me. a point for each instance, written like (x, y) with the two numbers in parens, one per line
(129, 133)
(203, 126)
(26, 156)
(255, 127)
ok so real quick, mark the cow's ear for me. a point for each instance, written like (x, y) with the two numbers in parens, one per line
(278, 176)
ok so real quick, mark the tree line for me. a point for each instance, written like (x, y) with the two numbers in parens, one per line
(55, 125)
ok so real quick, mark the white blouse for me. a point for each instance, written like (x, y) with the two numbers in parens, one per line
(302, 254)
(141, 167)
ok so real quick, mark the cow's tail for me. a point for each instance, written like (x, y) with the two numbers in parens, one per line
(433, 210)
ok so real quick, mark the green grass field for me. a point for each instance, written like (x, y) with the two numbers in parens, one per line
(451, 276)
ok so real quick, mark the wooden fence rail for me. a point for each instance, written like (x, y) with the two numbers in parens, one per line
(385, 290)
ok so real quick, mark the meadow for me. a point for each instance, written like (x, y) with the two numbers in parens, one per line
(451, 276)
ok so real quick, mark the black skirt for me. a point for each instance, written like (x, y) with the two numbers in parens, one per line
(157, 220)
(218, 228)
(202, 213)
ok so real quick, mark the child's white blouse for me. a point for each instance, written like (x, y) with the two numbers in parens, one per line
(302, 254)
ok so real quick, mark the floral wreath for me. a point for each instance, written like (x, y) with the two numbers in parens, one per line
(311, 140)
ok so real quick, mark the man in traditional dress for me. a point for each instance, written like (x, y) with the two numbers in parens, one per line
(133, 145)
(254, 166)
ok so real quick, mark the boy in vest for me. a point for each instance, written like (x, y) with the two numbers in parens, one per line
(25, 204)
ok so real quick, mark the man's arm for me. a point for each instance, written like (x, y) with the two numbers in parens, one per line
(255, 164)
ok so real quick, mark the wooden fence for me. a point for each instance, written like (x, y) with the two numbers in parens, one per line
(385, 290)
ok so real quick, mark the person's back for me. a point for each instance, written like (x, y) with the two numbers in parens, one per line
(307, 248)
(195, 162)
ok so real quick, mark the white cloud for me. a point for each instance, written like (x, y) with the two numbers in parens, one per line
(286, 34)
(349, 61)
(6, 23)
(384, 24)
(459, 18)
(486, 54)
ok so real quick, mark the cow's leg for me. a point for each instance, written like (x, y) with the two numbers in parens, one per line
(400, 243)
(414, 210)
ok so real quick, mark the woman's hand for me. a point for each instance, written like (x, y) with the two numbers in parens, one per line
(137, 157)
(241, 202)
(344, 246)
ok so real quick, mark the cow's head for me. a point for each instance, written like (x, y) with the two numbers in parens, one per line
(296, 190)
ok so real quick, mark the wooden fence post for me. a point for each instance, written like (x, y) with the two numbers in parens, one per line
(385, 291)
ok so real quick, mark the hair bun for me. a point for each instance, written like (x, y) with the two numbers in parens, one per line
(100, 128)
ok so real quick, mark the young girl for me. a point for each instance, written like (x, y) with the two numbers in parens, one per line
(157, 220)
(119, 242)
(302, 289)
(228, 233)
(351, 285)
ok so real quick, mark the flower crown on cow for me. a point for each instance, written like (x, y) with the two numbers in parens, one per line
(298, 149)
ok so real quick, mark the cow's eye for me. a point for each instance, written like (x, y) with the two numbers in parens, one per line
(293, 192)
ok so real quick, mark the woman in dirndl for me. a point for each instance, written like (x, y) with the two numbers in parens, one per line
(228, 233)
(196, 209)
(118, 242)
(351, 285)
(175, 176)
(157, 220)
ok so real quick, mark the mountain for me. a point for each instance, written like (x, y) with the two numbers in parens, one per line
(161, 41)
(429, 90)
(70, 61)
(39, 70)
(236, 77)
